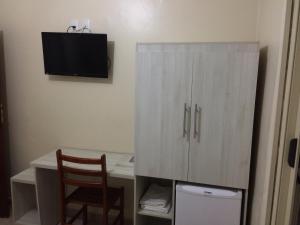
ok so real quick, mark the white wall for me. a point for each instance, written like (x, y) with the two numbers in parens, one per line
(45, 113)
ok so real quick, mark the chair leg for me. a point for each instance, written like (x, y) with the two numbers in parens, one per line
(63, 219)
(122, 207)
(84, 215)
(105, 216)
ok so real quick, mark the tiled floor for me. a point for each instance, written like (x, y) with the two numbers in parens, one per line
(6, 222)
(9, 222)
(94, 219)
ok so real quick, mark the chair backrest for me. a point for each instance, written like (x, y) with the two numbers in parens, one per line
(71, 174)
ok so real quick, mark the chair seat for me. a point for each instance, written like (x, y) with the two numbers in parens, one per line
(94, 197)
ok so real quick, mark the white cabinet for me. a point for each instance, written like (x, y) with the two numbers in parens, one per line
(194, 111)
(164, 78)
(223, 99)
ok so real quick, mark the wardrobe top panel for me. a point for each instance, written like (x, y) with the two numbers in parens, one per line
(203, 46)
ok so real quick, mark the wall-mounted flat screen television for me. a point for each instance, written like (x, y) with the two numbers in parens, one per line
(75, 54)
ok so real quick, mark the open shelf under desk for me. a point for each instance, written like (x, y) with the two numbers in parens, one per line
(26, 177)
(29, 218)
(145, 212)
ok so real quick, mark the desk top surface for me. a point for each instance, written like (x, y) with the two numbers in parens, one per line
(118, 164)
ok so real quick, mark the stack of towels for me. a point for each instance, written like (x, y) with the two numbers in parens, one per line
(157, 198)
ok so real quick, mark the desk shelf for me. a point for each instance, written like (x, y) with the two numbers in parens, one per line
(23, 189)
(25, 177)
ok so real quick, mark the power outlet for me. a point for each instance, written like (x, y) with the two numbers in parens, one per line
(74, 23)
(86, 23)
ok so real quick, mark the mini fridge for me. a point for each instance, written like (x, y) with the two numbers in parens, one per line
(196, 205)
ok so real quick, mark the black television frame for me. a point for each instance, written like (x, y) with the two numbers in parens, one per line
(65, 73)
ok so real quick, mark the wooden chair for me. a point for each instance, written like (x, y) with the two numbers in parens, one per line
(89, 192)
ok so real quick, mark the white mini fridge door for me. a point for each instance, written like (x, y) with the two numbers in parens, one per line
(197, 205)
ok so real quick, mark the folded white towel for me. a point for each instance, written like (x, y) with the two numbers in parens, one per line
(157, 195)
(161, 209)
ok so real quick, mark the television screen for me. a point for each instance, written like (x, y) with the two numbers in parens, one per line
(75, 54)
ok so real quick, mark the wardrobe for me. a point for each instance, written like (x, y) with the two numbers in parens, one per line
(194, 112)
(4, 158)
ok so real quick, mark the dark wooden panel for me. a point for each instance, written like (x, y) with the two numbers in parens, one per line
(4, 153)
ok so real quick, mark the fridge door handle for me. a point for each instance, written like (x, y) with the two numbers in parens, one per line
(196, 190)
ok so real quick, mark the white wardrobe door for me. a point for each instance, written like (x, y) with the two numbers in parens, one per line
(224, 87)
(164, 77)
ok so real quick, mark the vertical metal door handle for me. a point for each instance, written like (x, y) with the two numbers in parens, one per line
(187, 121)
(184, 120)
(1, 114)
(197, 122)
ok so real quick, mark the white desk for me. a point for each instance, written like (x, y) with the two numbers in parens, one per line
(118, 164)
(43, 178)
